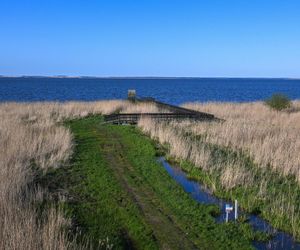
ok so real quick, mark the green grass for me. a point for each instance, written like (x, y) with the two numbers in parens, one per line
(118, 190)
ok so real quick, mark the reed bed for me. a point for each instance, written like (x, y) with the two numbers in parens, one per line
(186, 147)
(253, 155)
(31, 141)
(270, 137)
(142, 108)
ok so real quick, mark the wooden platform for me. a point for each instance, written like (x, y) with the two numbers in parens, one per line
(133, 118)
(177, 113)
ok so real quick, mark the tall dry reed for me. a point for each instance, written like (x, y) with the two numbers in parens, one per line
(185, 147)
(270, 137)
(31, 138)
(143, 107)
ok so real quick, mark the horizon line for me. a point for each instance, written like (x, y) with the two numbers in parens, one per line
(147, 77)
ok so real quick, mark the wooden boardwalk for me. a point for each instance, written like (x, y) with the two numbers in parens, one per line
(133, 118)
(178, 113)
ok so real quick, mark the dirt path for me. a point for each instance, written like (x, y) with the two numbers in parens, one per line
(166, 232)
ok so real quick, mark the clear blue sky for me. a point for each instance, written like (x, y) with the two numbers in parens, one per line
(231, 38)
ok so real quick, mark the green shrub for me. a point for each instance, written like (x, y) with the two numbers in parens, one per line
(278, 102)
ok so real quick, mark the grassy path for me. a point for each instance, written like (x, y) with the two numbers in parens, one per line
(119, 191)
(165, 231)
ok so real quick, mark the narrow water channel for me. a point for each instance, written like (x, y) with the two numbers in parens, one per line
(280, 240)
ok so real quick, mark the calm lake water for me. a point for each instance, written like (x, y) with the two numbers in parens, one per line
(175, 91)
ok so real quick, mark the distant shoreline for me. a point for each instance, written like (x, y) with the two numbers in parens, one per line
(150, 77)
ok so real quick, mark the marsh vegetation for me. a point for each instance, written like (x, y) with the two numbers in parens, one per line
(32, 141)
(252, 156)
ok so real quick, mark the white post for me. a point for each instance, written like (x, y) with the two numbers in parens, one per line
(227, 216)
(235, 210)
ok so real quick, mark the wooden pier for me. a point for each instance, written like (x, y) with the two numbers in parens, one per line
(177, 113)
(133, 118)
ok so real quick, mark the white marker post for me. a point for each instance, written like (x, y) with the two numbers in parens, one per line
(227, 216)
(228, 209)
(235, 210)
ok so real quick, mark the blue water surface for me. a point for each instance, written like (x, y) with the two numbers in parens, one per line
(170, 90)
